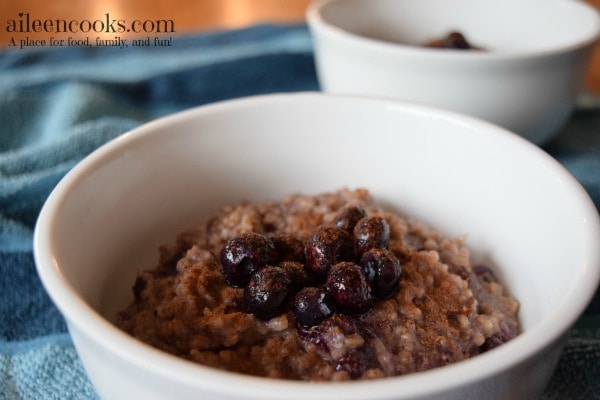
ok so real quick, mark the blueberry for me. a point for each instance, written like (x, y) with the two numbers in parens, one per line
(455, 40)
(328, 337)
(327, 246)
(329, 340)
(312, 305)
(298, 274)
(484, 273)
(348, 216)
(268, 292)
(348, 285)
(508, 330)
(288, 247)
(356, 361)
(245, 254)
(382, 269)
(373, 232)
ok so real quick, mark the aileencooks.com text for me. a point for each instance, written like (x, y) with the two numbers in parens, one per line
(27, 24)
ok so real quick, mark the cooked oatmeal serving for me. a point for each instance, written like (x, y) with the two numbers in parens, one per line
(325, 287)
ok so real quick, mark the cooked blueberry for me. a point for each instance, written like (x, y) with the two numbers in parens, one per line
(328, 337)
(312, 305)
(508, 330)
(288, 247)
(455, 40)
(348, 216)
(245, 254)
(327, 246)
(298, 274)
(330, 340)
(373, 232)
(268, 292)
(382, 269)
(356, 361)
(348, 285)
(484, 273)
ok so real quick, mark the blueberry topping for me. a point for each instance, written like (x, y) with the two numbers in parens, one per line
(453, 41)
(356, 361)
(317, 277)
(507, 332)
(268, 292)
(484, 273)
(245, 254)
(329, 337)
(373, 232)
(347, 284)
(382, 269)
(298, 274)
(327, 246)
(288, 247)
(348, 216)
(312, 305)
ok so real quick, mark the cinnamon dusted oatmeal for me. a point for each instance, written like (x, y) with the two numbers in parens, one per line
(325, 287)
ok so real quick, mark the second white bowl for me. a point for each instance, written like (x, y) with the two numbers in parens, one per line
(526, 80)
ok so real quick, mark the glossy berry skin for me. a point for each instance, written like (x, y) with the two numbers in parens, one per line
(298, 274)
(327, 246)
(288, 247)
(348, 285)
(383, 270)
(348, 216)
(244, 255)
(268, 292)
(455, 40)
(312, 305)
(373, 232)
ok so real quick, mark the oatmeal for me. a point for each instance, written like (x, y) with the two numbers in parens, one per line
(329, 287)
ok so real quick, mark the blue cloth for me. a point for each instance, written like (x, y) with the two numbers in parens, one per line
(57, 105)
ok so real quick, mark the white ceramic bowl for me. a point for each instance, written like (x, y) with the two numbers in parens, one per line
(519, 207)
(527, 80)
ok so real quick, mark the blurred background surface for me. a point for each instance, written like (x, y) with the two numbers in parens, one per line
(188, 16)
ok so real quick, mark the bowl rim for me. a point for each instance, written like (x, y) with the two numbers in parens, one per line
(320, 26)
(86, 320)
